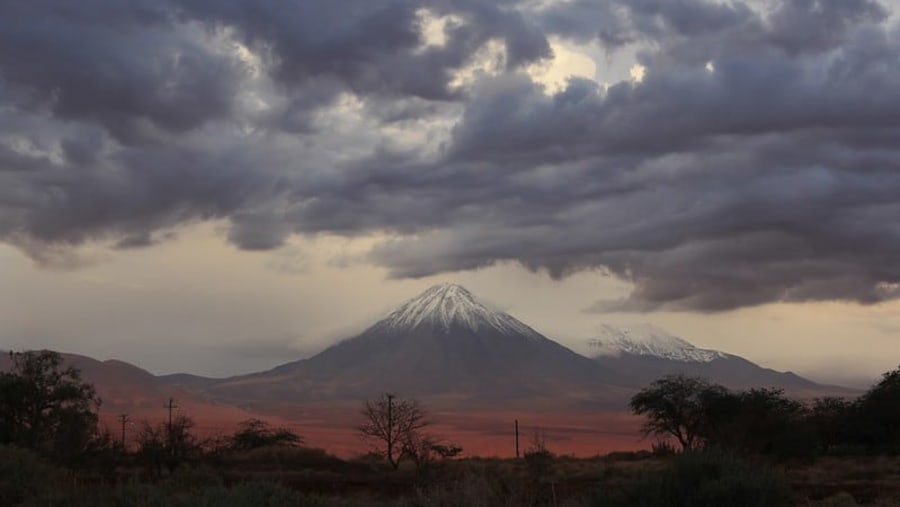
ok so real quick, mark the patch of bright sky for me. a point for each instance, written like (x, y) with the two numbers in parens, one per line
(433, 27)
(637, 72)
(489, 60)
(567, 61)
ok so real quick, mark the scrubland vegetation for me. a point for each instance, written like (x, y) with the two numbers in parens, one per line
(712, 447)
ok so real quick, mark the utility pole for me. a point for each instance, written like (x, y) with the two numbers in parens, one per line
(390, 427)
(171, 406)
(123, 418)
(517, 438)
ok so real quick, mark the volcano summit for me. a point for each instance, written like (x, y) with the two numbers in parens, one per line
(443, 342)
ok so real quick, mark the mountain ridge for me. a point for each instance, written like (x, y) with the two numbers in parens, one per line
(648, 340)
(646, 353)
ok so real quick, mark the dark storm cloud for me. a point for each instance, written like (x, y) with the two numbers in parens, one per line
(127, 66)
(756, 161)
(133, 97)
(771, 177)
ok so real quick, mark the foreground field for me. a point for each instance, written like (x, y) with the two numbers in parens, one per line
(287, 477)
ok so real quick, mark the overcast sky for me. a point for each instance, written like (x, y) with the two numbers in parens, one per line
(219, 186)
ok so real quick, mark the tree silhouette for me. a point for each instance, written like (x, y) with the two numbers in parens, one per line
(831, 418)
(255, 433)
(678, 406)
(879, 414)
(390, 424)
(167, 444)
(45, 406)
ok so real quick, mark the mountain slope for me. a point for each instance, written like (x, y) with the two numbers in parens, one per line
(442, 342)
(645, 353)
(124, 388)
(648, 341)
(119, 384)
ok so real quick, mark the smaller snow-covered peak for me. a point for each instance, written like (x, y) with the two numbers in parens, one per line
(647, 340)
(446, 305)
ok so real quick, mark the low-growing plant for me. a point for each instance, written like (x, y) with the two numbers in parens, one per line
(25, 477)
(708, 478)
(663, 448)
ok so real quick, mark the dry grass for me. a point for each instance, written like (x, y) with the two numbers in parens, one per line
(857, 480)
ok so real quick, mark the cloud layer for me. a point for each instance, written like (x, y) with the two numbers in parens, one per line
(755, 161)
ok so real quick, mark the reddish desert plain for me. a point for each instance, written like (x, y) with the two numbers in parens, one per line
(332, 426)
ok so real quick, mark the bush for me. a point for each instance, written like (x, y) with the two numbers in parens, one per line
(24, 477)
(248, 494)
(480, 487)
(142, 495)
(188, 478)
(296, 458)
(663, 448)
(701, 479)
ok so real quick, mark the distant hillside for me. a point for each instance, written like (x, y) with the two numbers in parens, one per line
(645, 353)
(126, 388)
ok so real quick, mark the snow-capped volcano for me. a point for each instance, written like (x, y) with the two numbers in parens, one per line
(448, 306)
(645, 353)
(442, 342)
(447, 344)
(646, 340)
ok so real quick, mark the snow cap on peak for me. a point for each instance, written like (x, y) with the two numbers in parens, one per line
(647, 340)
(443, 289)
(446, 305)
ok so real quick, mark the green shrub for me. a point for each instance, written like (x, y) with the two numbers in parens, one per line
(703, 479)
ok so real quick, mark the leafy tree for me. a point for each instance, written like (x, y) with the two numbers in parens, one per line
(831, 418)
(255, 433)
(389, 423)
(879, 414)
(677, 405)
(167, 445)
(152, 447)
(46, 406)
(768, 422)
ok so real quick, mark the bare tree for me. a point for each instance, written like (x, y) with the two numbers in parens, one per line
(390, 424)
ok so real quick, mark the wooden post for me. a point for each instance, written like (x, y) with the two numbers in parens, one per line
(171, 406)
(517, 438)
(124, 419)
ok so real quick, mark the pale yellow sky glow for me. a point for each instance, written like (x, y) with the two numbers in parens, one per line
(197, 304)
